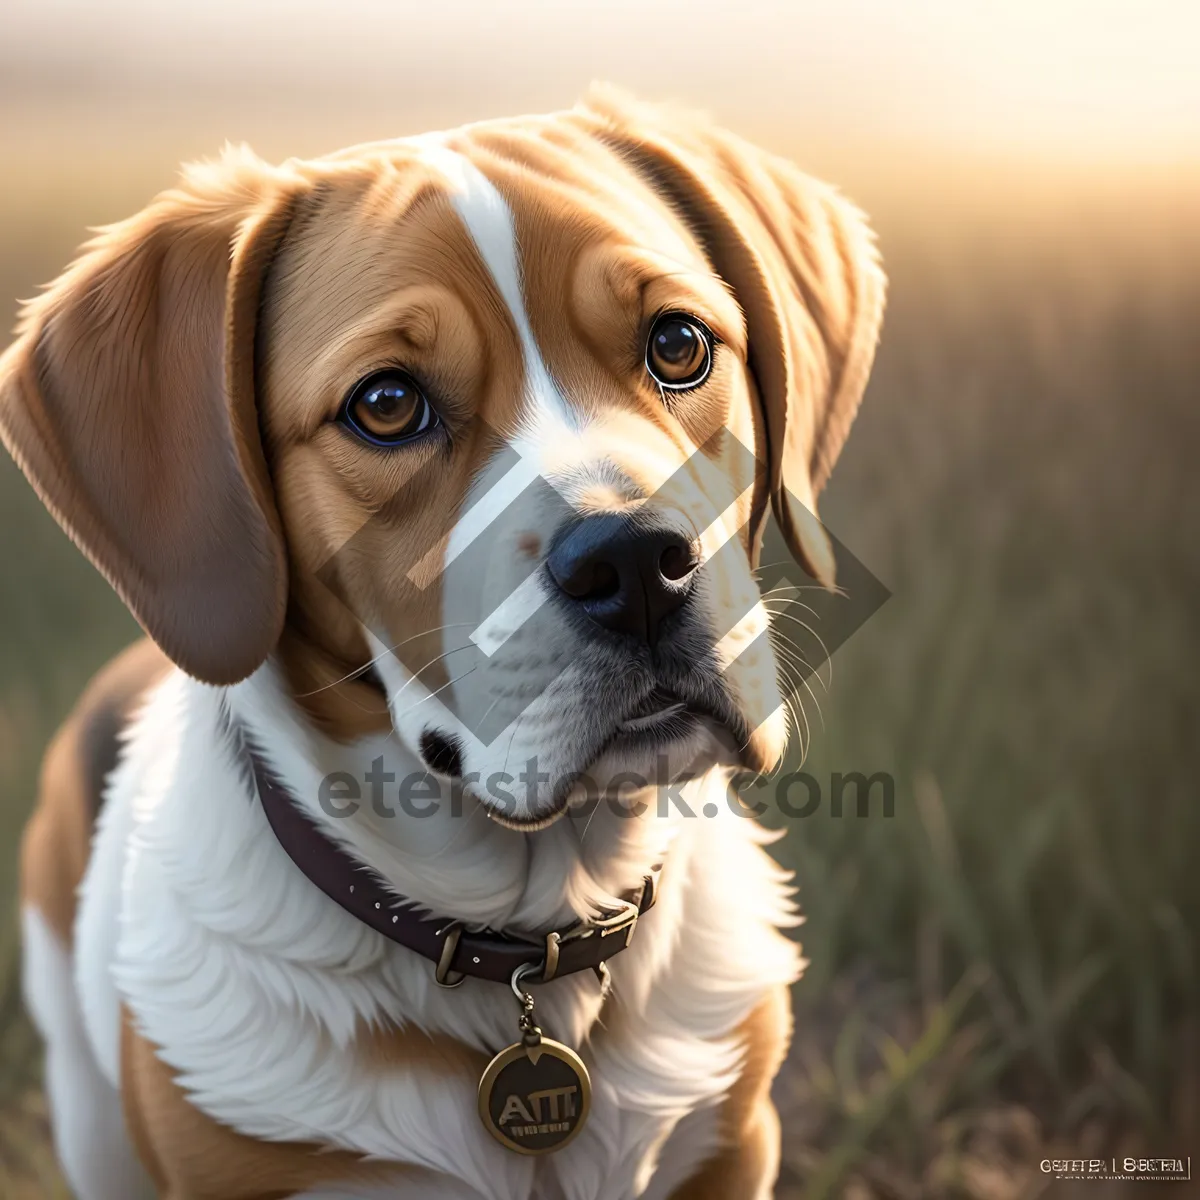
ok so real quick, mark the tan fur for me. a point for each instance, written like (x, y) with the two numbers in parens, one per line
(141, 439)
(802, 262)
(749, 1122)
(191, 478)
(594, 287)
(415, 291)
(191, 1157)
(58, 837)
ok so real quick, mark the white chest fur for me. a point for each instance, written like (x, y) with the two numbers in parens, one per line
(255, 985)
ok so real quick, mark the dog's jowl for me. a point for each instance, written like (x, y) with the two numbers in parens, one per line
(436, 472)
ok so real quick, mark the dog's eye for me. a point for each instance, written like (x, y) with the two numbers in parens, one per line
(679, 352)
(388, 408)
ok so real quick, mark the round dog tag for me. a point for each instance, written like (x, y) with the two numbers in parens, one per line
(535, 1098)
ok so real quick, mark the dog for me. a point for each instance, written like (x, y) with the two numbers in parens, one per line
(416, 462)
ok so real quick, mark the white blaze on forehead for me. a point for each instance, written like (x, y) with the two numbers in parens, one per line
(553, 436)
(547, 416)
(547, 419)
(489, 221)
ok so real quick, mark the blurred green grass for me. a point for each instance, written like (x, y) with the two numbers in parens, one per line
(1010, 963)
(59, 621)
(1023, 476)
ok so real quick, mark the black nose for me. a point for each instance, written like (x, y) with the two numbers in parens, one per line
(626, 571)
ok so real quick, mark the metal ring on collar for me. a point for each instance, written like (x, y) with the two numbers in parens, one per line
(443, 976)
(529, 968)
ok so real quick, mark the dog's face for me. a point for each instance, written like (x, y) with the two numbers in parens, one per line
(501, 412)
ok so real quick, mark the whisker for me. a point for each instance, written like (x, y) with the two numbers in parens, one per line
(804, 670)
(432, 662)
(488, 711)
(787, 616)
(778, 590)
(449, 683)
(381, 655)
(816, 702)
(793, 673)
(798, 680)
(804, 683)
(800, 660)
(511, 740)
(588, 823)
(799, 718)
(783, 644)
(836, 590)
(789, 604)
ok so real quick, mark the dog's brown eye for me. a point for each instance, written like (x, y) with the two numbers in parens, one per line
(679, 352)
(387, 408)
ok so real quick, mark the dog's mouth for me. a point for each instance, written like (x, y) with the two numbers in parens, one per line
(652, 731)
(660, 718)
(663, 730)
(668, 718)
(669, 723)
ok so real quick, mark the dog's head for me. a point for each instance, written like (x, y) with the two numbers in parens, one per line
(502, 410)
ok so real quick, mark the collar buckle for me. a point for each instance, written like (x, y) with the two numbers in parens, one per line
(621, 923)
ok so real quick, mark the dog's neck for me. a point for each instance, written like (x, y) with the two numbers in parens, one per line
(435, 844)
(208, 897)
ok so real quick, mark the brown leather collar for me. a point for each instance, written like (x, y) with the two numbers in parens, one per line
(456, 951)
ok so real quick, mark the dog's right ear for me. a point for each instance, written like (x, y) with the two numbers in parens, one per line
(802, 263)
(128, 400)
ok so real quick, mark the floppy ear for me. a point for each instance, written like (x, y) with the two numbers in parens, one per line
(803, 265)
(128, 400)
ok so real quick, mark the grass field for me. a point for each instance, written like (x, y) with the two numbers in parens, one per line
(1008, 967)
(1011, 962)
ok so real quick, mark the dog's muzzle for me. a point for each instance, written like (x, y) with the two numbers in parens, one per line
(626, 572)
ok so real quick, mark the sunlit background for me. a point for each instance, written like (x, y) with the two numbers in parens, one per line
(872, 91)
(1007, 969)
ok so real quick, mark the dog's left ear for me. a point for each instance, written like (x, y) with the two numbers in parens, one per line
(128, 400)
(802, 263)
